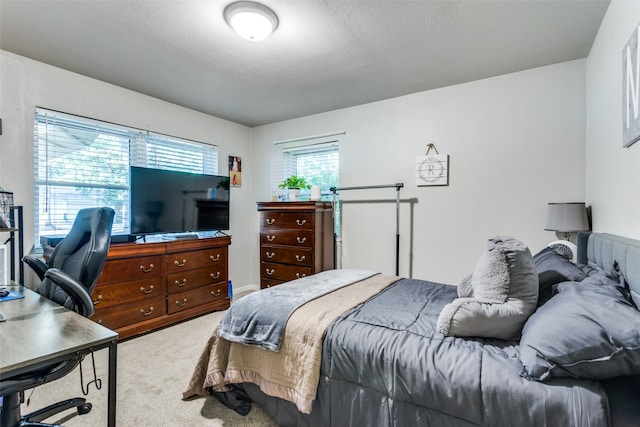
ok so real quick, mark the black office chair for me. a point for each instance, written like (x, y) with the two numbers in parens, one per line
(68, 279)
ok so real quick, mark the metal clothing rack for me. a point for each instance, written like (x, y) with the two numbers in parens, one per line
(397, 186)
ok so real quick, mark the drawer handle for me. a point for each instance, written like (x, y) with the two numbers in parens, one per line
(270, 255)
(147, 313)
(184, 282)
(146, 291)
(301, 222)
(300, 275)
(180, 264)
(216, 293)
(270, 272)
(271, 221)
(98, 300)
(181, 304)
(146, 270)
(215, 276)
(214, 258)
(300, 258)
(271, 238)
(301, 239)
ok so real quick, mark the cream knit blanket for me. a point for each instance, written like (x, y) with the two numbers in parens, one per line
(293, 372)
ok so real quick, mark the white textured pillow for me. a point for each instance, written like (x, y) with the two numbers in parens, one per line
(504, 293)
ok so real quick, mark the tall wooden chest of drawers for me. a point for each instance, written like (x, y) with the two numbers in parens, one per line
(296, 240)
(146, 286)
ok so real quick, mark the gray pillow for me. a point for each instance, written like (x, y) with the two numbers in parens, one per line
(504, 292)
(590, 329)
(553, 268)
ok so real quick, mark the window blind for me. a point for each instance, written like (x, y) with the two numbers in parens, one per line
(318, 164)
(81, 162)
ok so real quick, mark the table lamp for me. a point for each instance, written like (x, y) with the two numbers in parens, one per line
(566, 218)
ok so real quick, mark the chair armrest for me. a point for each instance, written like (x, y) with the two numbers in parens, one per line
(74, 289)
(36, 264)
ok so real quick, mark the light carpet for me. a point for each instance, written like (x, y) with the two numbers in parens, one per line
(153, 371)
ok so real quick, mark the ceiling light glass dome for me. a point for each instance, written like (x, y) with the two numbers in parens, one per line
(253, 21)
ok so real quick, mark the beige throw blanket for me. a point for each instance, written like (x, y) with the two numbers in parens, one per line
(293, 372)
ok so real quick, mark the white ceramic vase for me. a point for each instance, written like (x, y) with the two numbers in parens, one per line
(294, 194)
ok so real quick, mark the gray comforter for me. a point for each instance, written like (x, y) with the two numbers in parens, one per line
(384, 364)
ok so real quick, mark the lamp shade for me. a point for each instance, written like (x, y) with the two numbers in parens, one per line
(567, 217)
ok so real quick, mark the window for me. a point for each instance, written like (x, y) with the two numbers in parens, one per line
(318, 164)
(81, 163)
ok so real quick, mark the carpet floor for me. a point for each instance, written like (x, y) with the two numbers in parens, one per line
(153, 371)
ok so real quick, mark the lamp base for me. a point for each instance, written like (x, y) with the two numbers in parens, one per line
(565, 248)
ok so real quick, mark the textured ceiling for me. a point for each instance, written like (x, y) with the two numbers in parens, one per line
(323, 56)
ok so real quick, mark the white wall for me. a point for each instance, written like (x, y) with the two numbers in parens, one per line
(25, 84)
(613, 172)
(516, 142)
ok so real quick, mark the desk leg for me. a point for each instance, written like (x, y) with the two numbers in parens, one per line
(111, 405)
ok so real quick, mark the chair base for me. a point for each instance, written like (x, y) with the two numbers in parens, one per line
(10, 416)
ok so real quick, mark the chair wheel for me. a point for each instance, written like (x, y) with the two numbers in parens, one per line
(85, 408)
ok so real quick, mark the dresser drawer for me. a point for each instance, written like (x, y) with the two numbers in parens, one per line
(130, 313)
(118, 293)
(196, 297)
(268, 283)
(285, 255)
(290, 220)
(120, 270)
(185, 280)
(196, 259)
(300, 238)
(283, 271)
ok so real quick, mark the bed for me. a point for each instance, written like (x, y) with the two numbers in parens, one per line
(378, 350)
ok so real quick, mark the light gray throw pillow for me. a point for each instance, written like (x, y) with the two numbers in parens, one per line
(504, 293)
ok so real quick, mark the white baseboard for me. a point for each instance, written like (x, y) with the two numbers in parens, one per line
(246, 288)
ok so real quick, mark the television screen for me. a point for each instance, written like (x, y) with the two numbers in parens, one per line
(164, 201)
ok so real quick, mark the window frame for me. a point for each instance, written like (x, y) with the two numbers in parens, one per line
(293, 154)
(136, 147)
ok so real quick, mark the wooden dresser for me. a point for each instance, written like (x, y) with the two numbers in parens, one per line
(296, 240)
(146, 286)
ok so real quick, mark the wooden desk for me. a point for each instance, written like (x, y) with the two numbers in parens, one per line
(39, 332)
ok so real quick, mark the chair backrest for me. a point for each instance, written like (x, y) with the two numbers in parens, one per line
(81, 254)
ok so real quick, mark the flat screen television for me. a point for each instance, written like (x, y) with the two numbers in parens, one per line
(170, 202)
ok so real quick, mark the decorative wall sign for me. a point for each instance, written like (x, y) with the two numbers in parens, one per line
(432, 169)
(631, 90)
(235, 171)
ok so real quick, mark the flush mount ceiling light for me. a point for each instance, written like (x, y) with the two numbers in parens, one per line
(253, 21)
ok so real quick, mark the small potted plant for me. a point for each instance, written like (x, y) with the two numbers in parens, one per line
(294, 184)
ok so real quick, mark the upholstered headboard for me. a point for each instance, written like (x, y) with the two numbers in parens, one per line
(602, 250)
